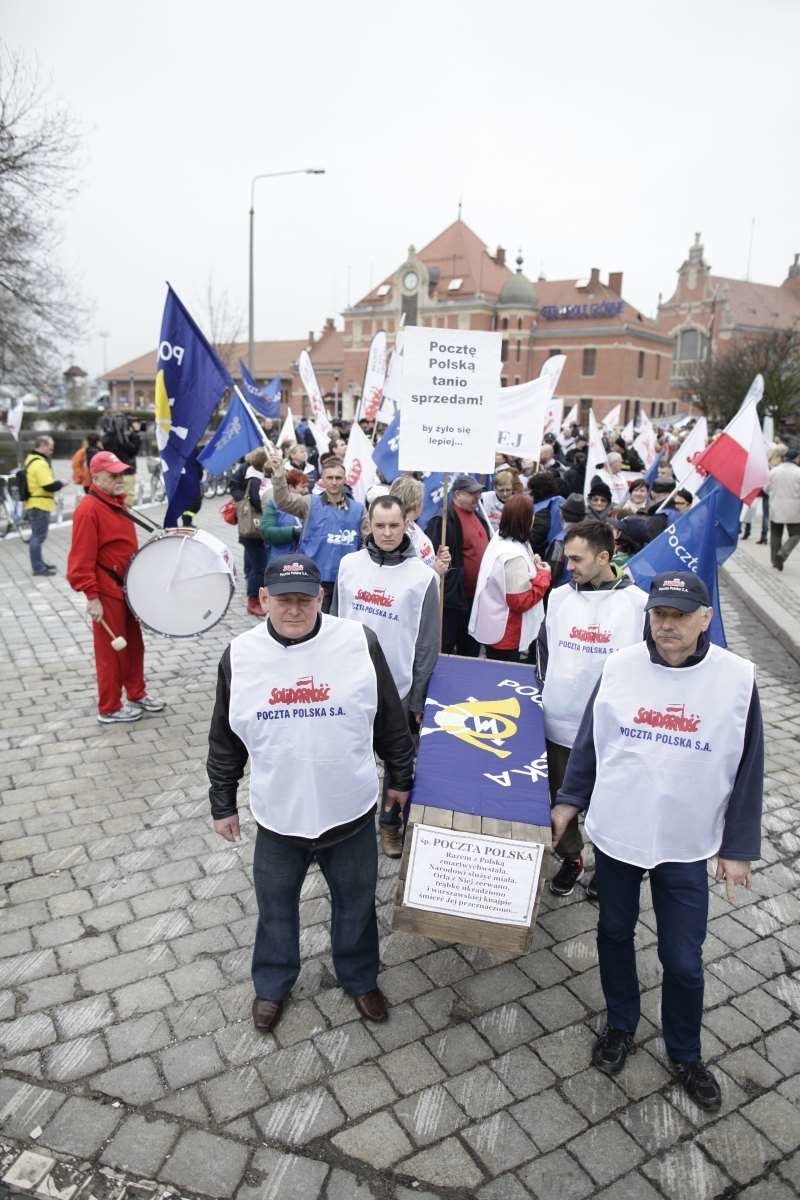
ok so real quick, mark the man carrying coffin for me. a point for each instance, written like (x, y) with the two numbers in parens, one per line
(309, 699)
(599, 611)
(668, 764)
(388, 588)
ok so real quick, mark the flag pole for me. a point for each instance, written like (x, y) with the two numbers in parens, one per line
(253, 417)
(443, 542)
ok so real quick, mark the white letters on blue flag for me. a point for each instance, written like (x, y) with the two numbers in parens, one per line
(387, 450)
(235, 436)
(262, 399)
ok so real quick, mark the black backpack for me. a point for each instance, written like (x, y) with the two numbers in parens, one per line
(21, 477)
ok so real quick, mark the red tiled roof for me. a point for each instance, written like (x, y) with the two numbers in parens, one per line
(759, 304)
(459, 254)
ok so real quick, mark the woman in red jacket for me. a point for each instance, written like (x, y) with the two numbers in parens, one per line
(507, 610)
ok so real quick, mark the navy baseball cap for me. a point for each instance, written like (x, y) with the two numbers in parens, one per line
(678, 589)
(292, 573)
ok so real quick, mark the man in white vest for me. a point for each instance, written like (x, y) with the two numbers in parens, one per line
(309, 699)
(599, 611)
(393, 592)
(668, 764)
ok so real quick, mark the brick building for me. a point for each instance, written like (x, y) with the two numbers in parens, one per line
(708, 313)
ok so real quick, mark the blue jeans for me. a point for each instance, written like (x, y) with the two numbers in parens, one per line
(40, 522)
(350, 869)
(255, 562)
(680, 901)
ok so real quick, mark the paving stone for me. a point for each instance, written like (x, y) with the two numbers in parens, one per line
(145, 996)
(347, 1045)
(404, 1025)
(459, 1048)
(189, 1061)
(499, 1143)
(606, 1151)
(116, 972)
(198, 979)
(731, 1026)
(136, 1082)
(403, 982)
(505, 1187)
(522, 1072)
(187, 1104)
(654, 1123)
(429, 1115)
(630, 1187)
(206, 1163)
(26, 1033)
(594, 1094)
(241, 1043)
(192, 1018)
(140, 1035)
(84, 1016)
(506, 1027)
(555, 1008)
(233, 1093)
(783, 1050)
(548, 1119)
(686, 1173)
(566, 1051)
(750, 1070)
(479, 1092)
(28, 1170)
(556, 1175)
(140, 1145)
(398, 947)
(378, 1140)
(300, 1021)
(500, 985)
(543, 968)
(444, 1165)
(410, 1068)
(362, 1089)
(287, 1177)
(777, 1119)
(300, 1118)
(768, 1189)
(761, 1007)
(444, 966)
(75, 1059)
(287, 1070)
(436, 1008)
(743, 1152)
(23, 1106)
(23, 968)
(642, 1074)
(80, 1127)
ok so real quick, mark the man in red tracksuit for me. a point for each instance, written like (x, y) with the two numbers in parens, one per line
(103, 543)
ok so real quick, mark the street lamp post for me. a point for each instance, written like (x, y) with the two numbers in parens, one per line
(251, 305)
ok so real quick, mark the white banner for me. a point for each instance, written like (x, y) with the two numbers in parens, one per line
(755, 393)
(611, 419)
(551, 370)
(521, 415)
(359, 469)
(14, 417)
(390, 403)
(628, 433)
(315, 401)
(645, 444)
(448, 399)
(320, 437)
(684, 458)
(552, 416)
(570, 419)
(374, 378)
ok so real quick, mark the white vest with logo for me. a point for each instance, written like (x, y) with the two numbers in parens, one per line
(583, 628)
(668, 742)
(305, 714)
(389, 600)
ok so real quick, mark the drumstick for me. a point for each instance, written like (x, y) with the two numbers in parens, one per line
(117, 643)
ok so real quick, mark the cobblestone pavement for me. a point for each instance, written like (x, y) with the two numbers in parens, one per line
(125, 934)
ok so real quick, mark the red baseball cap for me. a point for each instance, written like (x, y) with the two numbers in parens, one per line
(104, 460)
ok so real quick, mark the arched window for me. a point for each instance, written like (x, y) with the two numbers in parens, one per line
(505, 322)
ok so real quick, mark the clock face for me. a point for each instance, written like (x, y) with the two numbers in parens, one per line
(410, 281)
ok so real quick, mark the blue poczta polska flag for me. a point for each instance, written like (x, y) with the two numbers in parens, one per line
(432, 499)
(190, 382)
(235, 436)
(687, 544)
(729, 512)
(262, 399)
(387, 450)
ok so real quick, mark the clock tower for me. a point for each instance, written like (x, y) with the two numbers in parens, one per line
(412, 277)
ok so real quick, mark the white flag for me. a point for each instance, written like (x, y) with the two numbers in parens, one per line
(627, 433)
(570, 419)
(315, 401)
(684, 458)
(611, 419)
(320, 438)
(552, 368)
(595, 456)
(755, 393)
(645, 443)
(287, 434)
(394, 371)
(552, 416)
(374, 379)
(521, 414)
(360, 471)
(14, 417)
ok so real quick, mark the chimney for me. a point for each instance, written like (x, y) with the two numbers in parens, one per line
(500, 256)
(615, 282)
(311, 337)
(594, 278)
(330, 325)
(793, 277)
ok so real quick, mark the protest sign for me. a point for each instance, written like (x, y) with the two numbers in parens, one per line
(448, 397)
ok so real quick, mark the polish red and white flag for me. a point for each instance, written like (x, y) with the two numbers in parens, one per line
(738, 457)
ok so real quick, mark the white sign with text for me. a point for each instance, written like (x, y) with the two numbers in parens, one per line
(448, 399)
(472, 875)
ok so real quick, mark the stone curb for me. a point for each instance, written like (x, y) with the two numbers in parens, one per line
(775, 619)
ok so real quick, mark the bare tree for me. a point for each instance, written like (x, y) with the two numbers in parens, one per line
(38, 144)
(224, 323)
(720, 383)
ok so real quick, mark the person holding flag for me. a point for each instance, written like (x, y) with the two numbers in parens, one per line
(655, 716)
(466, 532)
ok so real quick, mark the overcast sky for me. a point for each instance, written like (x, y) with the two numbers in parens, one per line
(587, 133)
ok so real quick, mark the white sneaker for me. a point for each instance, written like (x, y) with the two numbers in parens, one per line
(122, 714)
(147, 704)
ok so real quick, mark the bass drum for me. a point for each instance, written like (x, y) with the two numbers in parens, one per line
(180, 583)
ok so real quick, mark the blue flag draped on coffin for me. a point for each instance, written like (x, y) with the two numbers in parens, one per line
(190, 382)
(481, 744)
(262, 399)
(387, 450)
(688, 544)
(235, 436)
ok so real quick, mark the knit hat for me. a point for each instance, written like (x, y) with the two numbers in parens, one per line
(573, 509)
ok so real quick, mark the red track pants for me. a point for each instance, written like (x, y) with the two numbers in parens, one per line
(118, 669)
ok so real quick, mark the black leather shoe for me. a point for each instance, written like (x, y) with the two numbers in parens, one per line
(700, 1084)
(372, 1005)
(266, 1014)
(611, 1049)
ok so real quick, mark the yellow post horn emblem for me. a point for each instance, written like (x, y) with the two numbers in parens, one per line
(478, 722)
